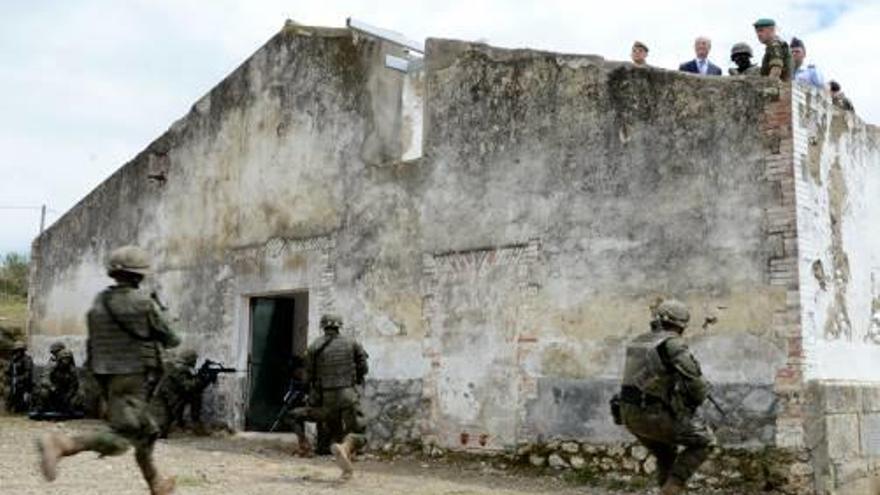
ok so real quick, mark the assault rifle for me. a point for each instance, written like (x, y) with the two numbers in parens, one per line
(209, 371)
(714, 402)
(295, 397)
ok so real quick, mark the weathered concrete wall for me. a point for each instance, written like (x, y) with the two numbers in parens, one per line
(495, 279)
(580, 191)
(837, 160)
(253, 192)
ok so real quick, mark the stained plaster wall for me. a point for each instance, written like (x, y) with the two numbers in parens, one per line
(837, 178)
(837, 164)
(495, 279)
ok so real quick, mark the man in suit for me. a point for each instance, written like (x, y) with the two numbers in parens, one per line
(701, 64)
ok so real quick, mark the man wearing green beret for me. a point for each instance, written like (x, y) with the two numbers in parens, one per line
(639, 54)
(777, 55)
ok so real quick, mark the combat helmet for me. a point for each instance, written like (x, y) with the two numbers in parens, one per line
(56, 348)
(673, 312)
(331, 321)
(131, 259)
(189, 357)
(740, 48)
(19, 345)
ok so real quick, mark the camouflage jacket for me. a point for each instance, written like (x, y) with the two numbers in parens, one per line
(777, 54)
(691, 389)
(753, 70)
(336, 361)
(127, 332)
(179, 383)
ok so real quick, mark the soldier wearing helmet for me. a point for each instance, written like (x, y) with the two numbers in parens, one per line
(126, 334)
(336, 365)
(661, 390)
(19, 379)
(54, 349)
(741, 55)
(180, 387)
(58, 393)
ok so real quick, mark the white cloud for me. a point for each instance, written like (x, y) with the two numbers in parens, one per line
(86, 85)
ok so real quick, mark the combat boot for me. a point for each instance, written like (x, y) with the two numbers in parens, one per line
(162, 486)
(52, 447)
(672, 487)
(303, 447)
(343, 453)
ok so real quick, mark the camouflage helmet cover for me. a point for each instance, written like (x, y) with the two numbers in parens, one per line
(189, 357)
(673, 312)
(331, 321)
(740, 48)
(130, 259)
(56, 348)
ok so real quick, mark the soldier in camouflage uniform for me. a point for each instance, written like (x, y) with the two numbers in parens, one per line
(59, 389)
(54, 349)
(179, 388)
(19, 379)
(127, 332)
(662, 388)
(741, 55)
(777, 55)
(336, 365)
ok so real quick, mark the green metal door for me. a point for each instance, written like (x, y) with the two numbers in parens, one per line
(271, 348)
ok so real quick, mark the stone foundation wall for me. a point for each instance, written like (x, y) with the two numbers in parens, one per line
(629, 466)
(843, 434)
(395, 411)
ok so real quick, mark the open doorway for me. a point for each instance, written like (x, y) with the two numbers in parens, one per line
(279, 331)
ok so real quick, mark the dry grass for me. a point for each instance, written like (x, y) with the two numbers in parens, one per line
(13, 316)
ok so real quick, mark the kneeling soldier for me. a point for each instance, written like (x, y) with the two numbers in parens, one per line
(662, 389)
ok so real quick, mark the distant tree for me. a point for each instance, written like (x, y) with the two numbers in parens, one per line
(14, 274)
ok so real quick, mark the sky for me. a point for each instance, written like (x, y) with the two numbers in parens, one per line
(87, 84)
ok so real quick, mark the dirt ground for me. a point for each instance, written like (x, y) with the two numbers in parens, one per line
(231, 466)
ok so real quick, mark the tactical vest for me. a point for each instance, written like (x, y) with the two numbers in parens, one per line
(335, 367)
(644, 369)
(120, 349)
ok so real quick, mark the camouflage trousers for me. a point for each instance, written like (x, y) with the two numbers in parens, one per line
(53, 399)
(130, 422)
(663, 434)
(339, 411)
(168, 411)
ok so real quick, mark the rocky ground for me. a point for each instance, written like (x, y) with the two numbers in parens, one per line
(232, 466)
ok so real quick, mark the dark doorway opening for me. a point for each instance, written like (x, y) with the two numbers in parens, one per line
(279, 331)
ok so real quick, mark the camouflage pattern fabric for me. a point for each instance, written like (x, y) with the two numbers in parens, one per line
(753, 70)
(59, 389)
(129, 420)
(658, 403)
(662, 434)
(777, 54)
(339, 411)
(179, 388)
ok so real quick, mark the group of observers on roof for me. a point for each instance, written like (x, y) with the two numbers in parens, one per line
(782, 60)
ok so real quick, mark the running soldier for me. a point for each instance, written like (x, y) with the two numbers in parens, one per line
(127, 332)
